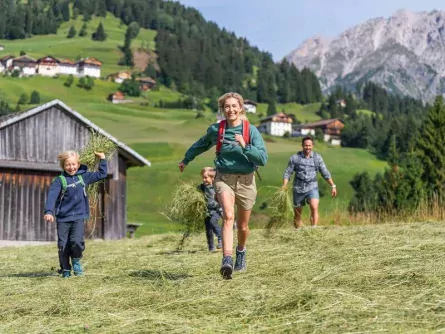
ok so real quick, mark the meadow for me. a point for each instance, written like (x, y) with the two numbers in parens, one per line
(163, 136)
(373, 278)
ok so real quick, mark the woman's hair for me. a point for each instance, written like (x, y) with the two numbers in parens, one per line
(208, 170)
(62, 157)
(237, 96)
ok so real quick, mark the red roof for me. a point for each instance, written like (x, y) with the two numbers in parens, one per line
(67, 62)
(47, 59)
(91, 61)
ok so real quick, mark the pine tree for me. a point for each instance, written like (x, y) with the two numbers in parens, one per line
(100, 34)
(83, 30)
(71, 33)
(271, 108)
(65, 10)
(101, 8)
(23, 99)
(35, 97)
(431, 147)
(69, 81)
(150, 71)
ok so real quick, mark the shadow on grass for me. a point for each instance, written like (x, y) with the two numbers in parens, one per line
(33, 274)
(155, 275)
(178, 252)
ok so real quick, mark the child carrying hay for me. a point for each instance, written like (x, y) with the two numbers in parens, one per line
(68, 203)
(214, 210)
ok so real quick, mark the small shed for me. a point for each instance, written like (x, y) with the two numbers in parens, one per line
(29, 144)
(116, 97)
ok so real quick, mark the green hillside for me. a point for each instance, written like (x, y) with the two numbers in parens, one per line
(75, 48)
(163, 135)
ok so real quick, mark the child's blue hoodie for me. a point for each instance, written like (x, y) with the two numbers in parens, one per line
(74, 204)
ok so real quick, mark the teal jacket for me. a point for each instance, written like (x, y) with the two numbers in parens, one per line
(232, 159)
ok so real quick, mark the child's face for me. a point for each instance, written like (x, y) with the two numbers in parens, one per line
(207, 179)
(71, 165)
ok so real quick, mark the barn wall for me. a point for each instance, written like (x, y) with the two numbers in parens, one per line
(22, 199)
(115, 220)
(43, 136)
(23, 192)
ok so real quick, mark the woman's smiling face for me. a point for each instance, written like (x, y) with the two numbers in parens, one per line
(232, 109)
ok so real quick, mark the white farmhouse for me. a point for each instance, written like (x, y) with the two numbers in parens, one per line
(26, 64)
(48, 66)
(250, 106)
(276, 125)
(67, 66)
(90, 67)
(6, 61)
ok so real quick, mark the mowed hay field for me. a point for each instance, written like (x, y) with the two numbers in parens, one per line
(375, 278)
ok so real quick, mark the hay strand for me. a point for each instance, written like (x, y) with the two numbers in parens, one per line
(96, 143)
(188, 207)
(282, 209)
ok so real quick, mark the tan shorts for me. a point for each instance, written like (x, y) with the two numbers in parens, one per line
(240, 186)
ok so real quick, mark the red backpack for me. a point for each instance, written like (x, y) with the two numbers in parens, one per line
(222, 131)
(246, 137)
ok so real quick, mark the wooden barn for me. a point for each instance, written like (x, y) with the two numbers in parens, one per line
(29, 144)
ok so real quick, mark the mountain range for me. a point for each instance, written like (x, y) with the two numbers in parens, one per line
(404, 53)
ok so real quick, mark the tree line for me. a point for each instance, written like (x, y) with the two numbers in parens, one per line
(195, 56)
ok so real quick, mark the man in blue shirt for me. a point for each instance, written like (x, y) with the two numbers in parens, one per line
(305, 165)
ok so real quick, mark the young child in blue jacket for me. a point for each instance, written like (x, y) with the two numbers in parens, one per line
(214, 210)
(67, 204)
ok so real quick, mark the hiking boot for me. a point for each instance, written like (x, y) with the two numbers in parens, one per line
(219, 246)
(77, 267)
(66, 273)
(240, 263)
(226, 267)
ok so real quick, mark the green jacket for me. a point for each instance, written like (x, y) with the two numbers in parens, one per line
(232, 159)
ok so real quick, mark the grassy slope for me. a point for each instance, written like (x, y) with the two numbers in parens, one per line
(61, 47)
(385, 278)
(163, 135)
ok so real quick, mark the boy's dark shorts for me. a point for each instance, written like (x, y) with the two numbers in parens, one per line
(300, 199)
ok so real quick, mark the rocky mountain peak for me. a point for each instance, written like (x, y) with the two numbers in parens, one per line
(405, 53)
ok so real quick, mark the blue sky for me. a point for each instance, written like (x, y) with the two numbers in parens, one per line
(279, 26)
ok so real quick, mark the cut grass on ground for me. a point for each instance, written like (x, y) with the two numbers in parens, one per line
(381, 278)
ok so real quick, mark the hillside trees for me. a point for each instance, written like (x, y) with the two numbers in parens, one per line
(99, 35)
(412, 176)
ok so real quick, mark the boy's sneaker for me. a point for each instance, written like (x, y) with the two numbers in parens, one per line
(240, 263)
(219, 246)
(212, 249)
(226, 267)
(66, 273)
(77, 267)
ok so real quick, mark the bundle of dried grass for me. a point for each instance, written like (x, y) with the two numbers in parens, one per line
(189, 208)
(96, 143)
(282, 210)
